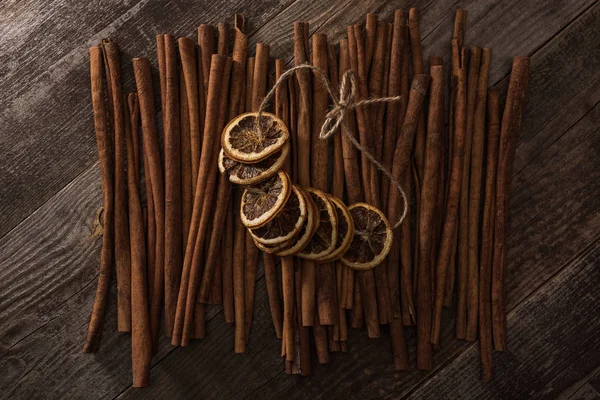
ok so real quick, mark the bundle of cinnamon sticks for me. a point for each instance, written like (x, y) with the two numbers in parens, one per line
(186, 248)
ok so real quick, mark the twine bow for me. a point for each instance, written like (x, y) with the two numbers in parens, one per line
(335, 117)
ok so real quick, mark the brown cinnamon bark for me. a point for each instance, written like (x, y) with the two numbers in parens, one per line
(223, 39)
(187, 191)
(239, 279)
(112, 62)
(141, 340)
(371, 26)
(463, 227)
(105, 145)
(143, 80)
(221, 203)
(238, 68)
(304, 96)
(418, 68)
(206, 48)
(287, 281)
(187, 53)
(250, 265)
(273, 293)
(172, 146)
(375, 90)
(204, 193)
(487, 235)
(227, 276)
(400, 166)
(429, 195)
(366, 278)
(458, 37)
(261, 68)
(511, 126)
(451, 211)
(351, 172)
(393, 109)
(393, 117)
(475, 196)
(324, 273)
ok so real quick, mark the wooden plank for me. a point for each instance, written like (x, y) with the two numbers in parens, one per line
(46, 118)
(549, 342)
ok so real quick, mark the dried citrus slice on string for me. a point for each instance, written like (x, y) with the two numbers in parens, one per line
(286, 224)
(261, 203)
(251, 174)
(271, 249)
(305, 234)
(243, 141)
(324, 240)
(345, 228)
(372, 237)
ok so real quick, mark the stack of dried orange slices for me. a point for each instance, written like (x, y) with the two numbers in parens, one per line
(288, 220)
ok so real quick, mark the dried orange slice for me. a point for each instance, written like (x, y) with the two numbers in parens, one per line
(324, 240)
(271, 249)
(309, 228)
(244, 142)
(345, 228)
(372, 237)
(251, 174)
(261, 203)
(286, 224)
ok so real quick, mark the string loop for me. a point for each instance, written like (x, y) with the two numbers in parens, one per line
(335, 117)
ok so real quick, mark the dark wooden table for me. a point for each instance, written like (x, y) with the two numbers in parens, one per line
(50, 191)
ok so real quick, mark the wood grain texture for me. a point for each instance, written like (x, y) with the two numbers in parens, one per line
(50, 190)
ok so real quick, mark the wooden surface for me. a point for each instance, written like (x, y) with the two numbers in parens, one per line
(50, 192)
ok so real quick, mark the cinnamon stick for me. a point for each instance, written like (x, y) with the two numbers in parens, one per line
(351, 170)
(238, 68)
(304, 95)
(463, 227)
(325, 273)
(249, 83)
(112, 62)
(141, 340)
(511, 125)
(375, 90)
(187, 190)
(143, 80)
(487, 235)
(429, 195)
(287, 282)
(222, 200)
(400, 166)
(172, 147)
(371, 26)
(223, 39)
(273, 293)
(475, 196)
(393, 109)
(458, 37)
(227, 276)
(239, 279)
(206, 48)
(250, 265)
(105, 145)
(450, 216)
(418, 68)
(356, 53)
(303, 348)
(204, 193)
(187, 53)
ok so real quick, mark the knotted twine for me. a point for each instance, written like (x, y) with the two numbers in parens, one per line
(336, 117)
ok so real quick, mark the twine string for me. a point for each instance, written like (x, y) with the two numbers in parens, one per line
(336, 116)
